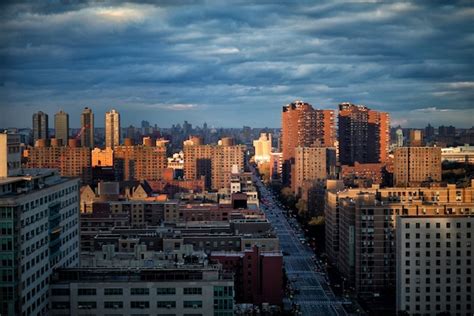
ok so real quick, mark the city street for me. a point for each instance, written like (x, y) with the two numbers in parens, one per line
(304, 271)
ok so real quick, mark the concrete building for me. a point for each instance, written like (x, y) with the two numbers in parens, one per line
(263, 148)
(61, 127)
(112, 129)
(415, 165)
(40, 126)
(462, 154)
(215, 162)
(360, 227)
(303, 126)
(312, 164)
(10, 155)
(187, 290)
(435, 264)
(87, 128)
(39, 219)
(71, 161)
(363, 135)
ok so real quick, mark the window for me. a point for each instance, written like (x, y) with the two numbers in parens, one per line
(113, 305)
(192, 291)
(140, 291)
(86, 305)
(166, 291)
(192, 304)
(166, 304)
(139, 304)
(60, 305)
(113, 292)
(86, 292)
(60, 292)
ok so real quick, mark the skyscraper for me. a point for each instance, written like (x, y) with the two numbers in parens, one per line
(112, 129)
(40, 126)
(61, 127)
(87, 128)
(303, 126)
(364, 134)
(263, 147)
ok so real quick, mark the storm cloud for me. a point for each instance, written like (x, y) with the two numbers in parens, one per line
(236, 63)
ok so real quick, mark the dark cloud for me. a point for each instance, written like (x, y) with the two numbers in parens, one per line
(235, 64)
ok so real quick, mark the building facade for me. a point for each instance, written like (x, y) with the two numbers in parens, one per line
(61, 127)
(39, 216)
(313, 164)
(435, 264)
(87, 128)
(190, 290)
(40, 126)
(303, 126)
(360, 227)
(363, 135)
(112, 129)
(415, 165)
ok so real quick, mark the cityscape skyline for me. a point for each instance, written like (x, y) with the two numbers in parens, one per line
(176, 62)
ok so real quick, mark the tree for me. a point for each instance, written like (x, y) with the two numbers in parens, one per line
(302, 207)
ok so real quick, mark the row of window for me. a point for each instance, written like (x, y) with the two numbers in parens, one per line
(120, 304)
(133, 291)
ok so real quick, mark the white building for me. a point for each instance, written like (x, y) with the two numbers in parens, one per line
(463, 154)
(39, 218)
(170, 290)
(435, 264)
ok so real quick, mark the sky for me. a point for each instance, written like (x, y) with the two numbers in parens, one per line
(235, 63)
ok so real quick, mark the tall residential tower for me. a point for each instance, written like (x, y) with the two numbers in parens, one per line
(40, 126)
(112, 129)
(61, 127)
(87, 128)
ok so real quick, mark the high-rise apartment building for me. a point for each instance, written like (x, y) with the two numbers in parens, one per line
(360, 227)
(39, 220)
(112, 129)
(303, 126)
(312, 164)
(263, 148)
(87, 128)
(215, 162)
(416, 138)
(71, 160)
(414, 165)
(140, 162)
(364, 134)
(40, 126)
(435, 263)
(61, 127)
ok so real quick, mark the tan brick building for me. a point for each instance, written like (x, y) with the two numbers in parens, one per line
(360, 227)
(71, 161)
(303, 126)
(414, 165)
(215, 162)
(312, 164)
(140, 162)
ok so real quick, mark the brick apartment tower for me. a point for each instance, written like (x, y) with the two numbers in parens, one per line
(364, 134)
(303, 126)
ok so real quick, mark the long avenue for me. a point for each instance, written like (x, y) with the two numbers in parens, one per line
(312, 294)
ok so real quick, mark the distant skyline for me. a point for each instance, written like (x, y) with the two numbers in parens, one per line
(235, 64)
